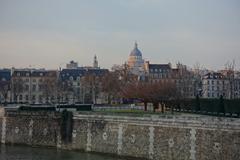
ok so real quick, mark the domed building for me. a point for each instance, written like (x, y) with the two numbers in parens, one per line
(135, 61)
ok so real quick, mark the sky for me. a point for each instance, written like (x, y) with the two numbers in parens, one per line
(50, 33)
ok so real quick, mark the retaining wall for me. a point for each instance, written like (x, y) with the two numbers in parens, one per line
(156, 137)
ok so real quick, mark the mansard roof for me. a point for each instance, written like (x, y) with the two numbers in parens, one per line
(160, 66)
(33, 73)
(5, 75)
(65, 74)
(214, 75)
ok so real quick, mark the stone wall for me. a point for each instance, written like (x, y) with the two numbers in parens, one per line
(156, 137)
(201, 138)
(38, 128)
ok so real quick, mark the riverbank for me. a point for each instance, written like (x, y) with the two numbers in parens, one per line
(149, 136)
(23, 152)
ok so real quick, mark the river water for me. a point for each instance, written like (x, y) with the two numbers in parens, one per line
(9, 152)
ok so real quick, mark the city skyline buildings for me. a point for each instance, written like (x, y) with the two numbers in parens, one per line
(44, 34)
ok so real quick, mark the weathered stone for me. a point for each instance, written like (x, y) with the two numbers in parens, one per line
(157, 138)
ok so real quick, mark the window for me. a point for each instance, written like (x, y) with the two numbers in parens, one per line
(213, 88)
(15, 98)
(208, 94)
(26, 87)
(33, 97)
(212, 81)
(34, 88)
(212, 94)
(34, 80)
(26, 97)
(20, 97)
(40, 99)
(208, 82)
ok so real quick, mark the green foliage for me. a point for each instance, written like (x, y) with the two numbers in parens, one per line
(197, 105)
(220, 105)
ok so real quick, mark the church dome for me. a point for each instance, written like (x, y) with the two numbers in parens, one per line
(136, 51)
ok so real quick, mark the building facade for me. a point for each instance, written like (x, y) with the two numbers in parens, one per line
(214, 85)
(33, 86)
(82, 84)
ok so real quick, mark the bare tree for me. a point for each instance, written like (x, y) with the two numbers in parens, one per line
(155, 93)
(4, 88)
(110, 84)
(17, 88)
(49, 89)
(230, 68)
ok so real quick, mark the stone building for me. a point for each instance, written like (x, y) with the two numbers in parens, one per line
(183, 78)
(33, 86)
(72, 65)
(236, 84)
(214, 85)
(185, 81)
(135, 61)
(82, 84)
(157, 72)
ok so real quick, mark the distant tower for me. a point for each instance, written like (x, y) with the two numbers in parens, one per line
(95, 62)
(135, 61)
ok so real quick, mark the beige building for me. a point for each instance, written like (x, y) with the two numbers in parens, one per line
(33, 86)
(214, 85)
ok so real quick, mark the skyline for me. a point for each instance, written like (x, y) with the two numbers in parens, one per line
(48, 34)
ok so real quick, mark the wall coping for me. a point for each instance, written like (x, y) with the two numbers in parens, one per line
(205, 122)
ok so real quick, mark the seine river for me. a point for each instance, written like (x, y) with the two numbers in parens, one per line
(27, 153)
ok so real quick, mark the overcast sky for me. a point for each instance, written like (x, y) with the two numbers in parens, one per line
(49, 33)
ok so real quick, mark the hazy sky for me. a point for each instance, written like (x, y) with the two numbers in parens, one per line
(49, 33)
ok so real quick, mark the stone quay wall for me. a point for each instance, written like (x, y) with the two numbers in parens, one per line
(155, 137)
(30, 128)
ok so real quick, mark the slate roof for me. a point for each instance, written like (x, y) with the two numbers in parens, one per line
(214, 75)
(159, 67)
(65, 74)
(5, 74)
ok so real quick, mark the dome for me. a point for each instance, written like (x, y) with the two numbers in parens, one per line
(136, 51)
